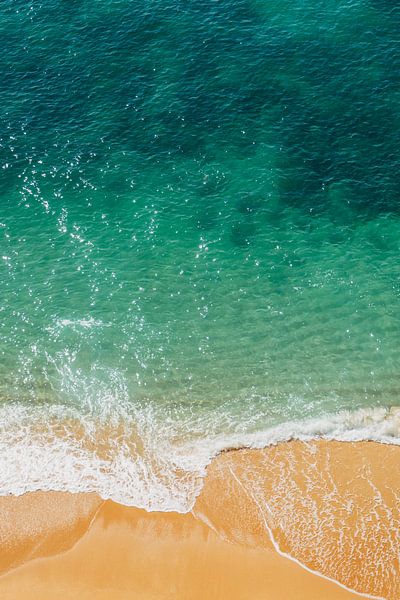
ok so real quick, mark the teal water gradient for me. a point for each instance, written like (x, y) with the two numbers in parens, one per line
(199, 210)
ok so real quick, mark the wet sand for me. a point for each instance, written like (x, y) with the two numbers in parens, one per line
(332, 506)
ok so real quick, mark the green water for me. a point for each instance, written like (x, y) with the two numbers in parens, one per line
(199, 211)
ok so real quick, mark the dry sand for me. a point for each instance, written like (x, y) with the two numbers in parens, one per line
(333, 506)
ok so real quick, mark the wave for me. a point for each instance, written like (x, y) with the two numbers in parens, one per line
(137, 460)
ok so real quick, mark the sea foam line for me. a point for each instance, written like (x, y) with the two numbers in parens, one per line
(289, 556)
(137, 461)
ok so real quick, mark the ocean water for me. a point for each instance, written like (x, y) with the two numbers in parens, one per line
(200, 235)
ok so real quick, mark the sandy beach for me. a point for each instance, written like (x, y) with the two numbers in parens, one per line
(331, 506)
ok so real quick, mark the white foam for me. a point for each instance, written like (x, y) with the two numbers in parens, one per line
(136, 460)
(74, 323)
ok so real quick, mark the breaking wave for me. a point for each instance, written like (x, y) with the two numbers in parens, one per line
(137, 460)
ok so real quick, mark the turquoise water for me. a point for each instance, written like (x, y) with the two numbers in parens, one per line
(200, 231)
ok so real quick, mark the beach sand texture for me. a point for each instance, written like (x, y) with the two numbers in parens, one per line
(333, 506)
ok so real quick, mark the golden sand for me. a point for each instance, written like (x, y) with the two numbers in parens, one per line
(332, 506)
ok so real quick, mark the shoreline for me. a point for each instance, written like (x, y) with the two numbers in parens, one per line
(174, 556)
(288, 516)
(112, 458)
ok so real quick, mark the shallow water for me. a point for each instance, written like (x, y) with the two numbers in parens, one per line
(200, 231)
